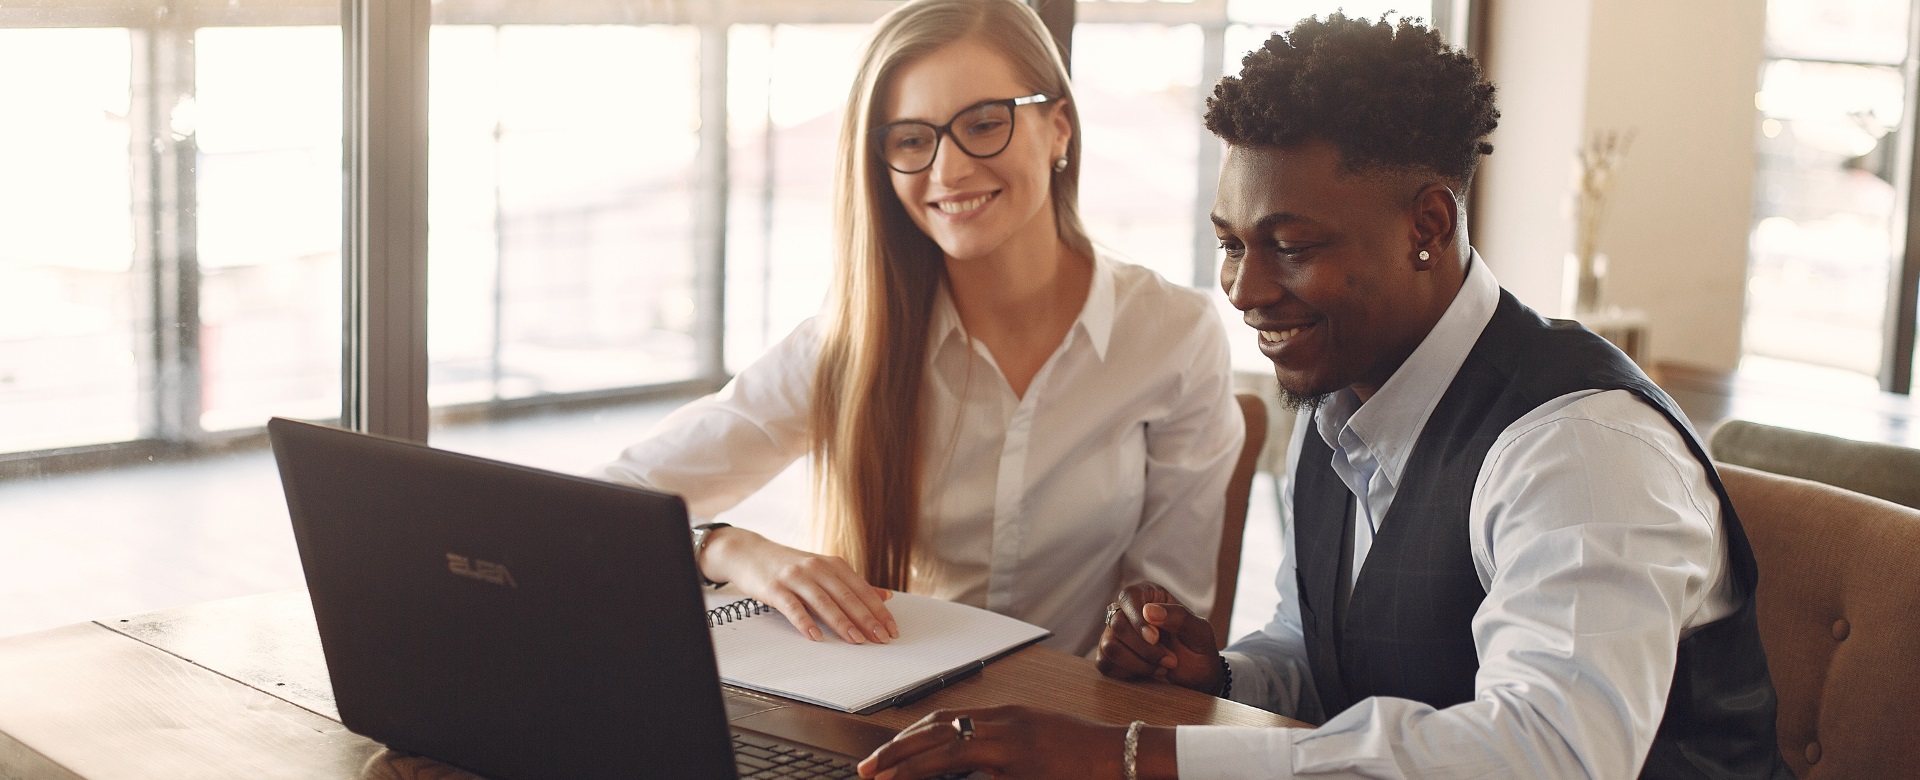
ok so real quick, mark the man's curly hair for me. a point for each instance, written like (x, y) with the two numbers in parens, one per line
(1389, 97)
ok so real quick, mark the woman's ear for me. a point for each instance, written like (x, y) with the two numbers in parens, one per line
(1062, 124)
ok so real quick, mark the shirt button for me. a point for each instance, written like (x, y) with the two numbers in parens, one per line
(1841, 629)
(1813, 752)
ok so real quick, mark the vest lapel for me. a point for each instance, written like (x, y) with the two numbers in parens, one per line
(1322, 507)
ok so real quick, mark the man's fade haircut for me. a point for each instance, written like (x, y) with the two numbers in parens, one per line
(1389, 97)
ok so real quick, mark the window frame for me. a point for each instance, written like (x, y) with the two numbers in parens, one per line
(384, 358)
(1903, 305)
(1902, 312)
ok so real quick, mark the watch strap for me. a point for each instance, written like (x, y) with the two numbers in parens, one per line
(701, 534)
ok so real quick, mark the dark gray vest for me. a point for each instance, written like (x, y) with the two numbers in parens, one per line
(1405, 631)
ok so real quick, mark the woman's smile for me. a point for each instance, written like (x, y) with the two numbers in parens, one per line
(963, 206)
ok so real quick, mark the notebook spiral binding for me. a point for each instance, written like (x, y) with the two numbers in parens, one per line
(739, 610)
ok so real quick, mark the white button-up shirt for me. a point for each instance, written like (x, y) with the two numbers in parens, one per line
(1598, 539)
(1112, 468)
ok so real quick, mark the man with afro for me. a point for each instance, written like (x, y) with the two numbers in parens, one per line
(1508, 554)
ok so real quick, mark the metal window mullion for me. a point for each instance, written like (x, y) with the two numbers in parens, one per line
(710, 184)
(384, 249)
(169, 235)
(143, 162)
(1903, 295)
(1213, 54)
(1455, 21)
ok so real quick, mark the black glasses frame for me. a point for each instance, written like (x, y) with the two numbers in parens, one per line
(879, 134)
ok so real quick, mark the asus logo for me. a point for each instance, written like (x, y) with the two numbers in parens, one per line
(484, 571)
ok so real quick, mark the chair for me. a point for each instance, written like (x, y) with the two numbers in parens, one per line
(1234, 526)
(1839, 612)
(1884, 471)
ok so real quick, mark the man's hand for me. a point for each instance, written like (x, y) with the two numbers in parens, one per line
(801, 585)
(1007, 742)
(1153, 636)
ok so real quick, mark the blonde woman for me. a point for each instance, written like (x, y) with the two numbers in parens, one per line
(997, 413)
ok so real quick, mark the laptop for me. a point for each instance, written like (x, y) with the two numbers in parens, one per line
(520, 623)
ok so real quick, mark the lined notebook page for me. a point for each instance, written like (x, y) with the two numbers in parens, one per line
(765, 653)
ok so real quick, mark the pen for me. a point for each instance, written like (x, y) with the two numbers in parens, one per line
(920, 691)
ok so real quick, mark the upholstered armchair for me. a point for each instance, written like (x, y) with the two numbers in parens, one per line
(1839, 609)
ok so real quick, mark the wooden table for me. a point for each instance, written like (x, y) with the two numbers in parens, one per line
(238, 688)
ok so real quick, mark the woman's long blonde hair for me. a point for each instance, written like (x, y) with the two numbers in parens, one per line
(866, 425)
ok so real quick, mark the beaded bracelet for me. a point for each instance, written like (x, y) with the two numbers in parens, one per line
(1226, 688)
(1130, 750)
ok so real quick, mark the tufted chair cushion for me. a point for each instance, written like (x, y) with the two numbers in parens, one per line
(1839, 608)
(1887, 471)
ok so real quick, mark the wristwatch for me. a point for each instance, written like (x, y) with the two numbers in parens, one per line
(701, 533)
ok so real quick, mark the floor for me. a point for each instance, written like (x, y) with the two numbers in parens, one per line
(84, 546)
(1794, 398)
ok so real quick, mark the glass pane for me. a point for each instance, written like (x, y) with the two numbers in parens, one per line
(787, 88)
(1282, 14)
(266, 117)
(1254, 21)
(1138, 86)
(70, 292)
(561, 206)
(1821, 244)
(170, 216)
(1864, 31)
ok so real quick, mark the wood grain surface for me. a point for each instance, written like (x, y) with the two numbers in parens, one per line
(239, 688)
(82, 701)
(1047, 678)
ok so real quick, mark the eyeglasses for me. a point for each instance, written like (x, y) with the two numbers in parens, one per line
(981, 130)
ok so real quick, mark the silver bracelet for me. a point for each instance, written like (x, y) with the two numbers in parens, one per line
(1130, 751)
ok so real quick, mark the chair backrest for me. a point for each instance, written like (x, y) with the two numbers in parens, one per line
(1839, 610)
(1234, 527)
(1886, 471)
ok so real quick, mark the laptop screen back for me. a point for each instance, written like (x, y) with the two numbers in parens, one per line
(515, 622)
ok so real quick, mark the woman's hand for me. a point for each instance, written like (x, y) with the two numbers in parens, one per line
(801, 585)
(1007, 742)
(1153, 636)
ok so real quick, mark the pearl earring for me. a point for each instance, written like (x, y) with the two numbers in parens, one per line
(1060, 163)
(1424, 255)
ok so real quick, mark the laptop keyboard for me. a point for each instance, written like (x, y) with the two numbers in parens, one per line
(760, 758)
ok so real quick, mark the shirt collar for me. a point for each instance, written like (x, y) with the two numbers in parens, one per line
(1389, 423)
(944, 322)
(1096, 315)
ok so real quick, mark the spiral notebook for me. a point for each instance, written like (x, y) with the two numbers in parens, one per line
(941, 642)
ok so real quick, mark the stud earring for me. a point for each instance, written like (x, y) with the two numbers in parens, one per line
(1424, 255)
(1060, 163)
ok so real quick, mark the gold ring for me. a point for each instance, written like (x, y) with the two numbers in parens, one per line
(964, 725)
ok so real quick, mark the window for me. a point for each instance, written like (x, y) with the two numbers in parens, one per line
(561, 239)
(1827, 198)
(170, 221)
(70, 287)
(625, 199)
(264, 119)
(787, 86)
(169, 228)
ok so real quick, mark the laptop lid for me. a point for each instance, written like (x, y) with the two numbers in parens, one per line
(516, 622)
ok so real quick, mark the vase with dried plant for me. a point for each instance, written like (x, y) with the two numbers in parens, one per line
(1599, 163)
